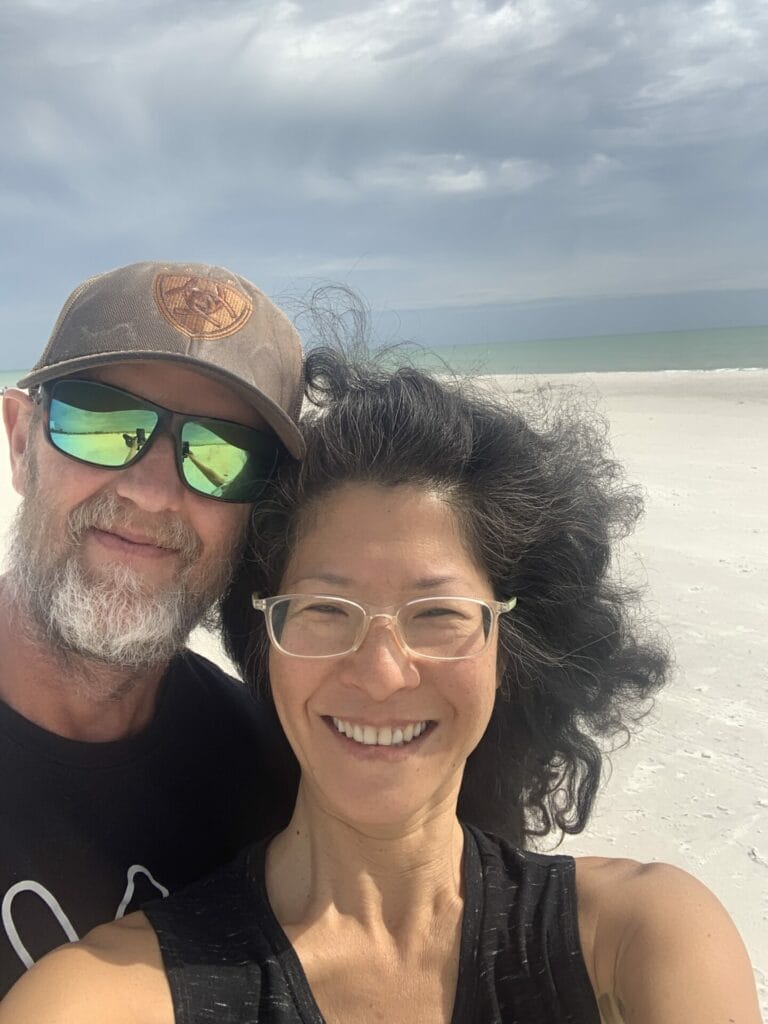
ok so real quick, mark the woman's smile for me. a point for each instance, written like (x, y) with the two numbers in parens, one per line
(395, 735)
(387, 744)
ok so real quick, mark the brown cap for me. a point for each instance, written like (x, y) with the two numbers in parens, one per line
(204, 317)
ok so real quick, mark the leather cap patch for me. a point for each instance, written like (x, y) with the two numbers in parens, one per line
(200, 306)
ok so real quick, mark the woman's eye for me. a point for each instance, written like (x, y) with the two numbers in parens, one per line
(325, 609)
(439, 611)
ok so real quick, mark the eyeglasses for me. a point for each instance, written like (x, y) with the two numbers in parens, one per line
(441, 628)
(111, 428)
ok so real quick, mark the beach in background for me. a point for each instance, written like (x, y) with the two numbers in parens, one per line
(692, 788)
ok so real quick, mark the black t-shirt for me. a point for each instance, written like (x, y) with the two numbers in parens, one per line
(90, 831)
(520, 962)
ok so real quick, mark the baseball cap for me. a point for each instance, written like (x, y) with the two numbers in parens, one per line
(201, 316)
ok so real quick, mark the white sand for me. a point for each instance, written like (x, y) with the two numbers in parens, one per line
(692, 788)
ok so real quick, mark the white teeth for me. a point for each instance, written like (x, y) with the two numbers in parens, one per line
(370, 736)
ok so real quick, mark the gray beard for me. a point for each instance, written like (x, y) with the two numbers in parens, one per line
(116, 619)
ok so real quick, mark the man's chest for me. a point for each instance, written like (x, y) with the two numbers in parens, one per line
(81, 846)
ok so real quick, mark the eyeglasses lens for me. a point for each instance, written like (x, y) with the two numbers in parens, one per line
(445, 627)
(94, 425)
(317, 627)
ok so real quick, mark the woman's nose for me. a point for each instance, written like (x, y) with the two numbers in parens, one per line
(381, 665)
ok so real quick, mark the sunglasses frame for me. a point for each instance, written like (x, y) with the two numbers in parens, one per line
(169, 422)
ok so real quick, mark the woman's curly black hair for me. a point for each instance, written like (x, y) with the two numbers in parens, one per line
(541, 506)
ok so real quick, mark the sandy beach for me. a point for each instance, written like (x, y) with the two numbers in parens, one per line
(692, 788)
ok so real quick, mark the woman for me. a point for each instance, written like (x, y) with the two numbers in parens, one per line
(433, 619)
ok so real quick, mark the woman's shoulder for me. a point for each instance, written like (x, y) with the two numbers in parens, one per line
(115, 973)
(617, 892)
(660, 943)
(656, 943)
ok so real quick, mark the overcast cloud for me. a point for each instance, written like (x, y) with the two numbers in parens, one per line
(519, 156)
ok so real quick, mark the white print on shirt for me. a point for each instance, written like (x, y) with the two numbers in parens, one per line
(55, 908)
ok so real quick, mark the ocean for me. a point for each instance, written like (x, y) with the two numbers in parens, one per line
(714, 349)
(732, 348)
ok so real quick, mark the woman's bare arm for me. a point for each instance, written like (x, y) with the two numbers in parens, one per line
(664, 949)
(114, 974)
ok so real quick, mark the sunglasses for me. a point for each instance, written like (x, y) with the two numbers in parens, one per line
(111, 428)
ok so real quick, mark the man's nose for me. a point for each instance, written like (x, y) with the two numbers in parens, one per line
(152, 483)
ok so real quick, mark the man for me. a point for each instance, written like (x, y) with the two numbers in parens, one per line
(161, 405)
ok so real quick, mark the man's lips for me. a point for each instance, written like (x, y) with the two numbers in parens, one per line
(130, 542)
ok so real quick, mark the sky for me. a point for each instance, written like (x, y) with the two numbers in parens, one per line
(478, 170)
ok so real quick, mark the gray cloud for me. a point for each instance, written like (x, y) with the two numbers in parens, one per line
(433, 153)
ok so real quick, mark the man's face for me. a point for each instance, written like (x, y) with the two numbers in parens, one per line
(119, 565)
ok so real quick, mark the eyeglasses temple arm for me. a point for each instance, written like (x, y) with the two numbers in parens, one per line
(259, 603)
(506, 606)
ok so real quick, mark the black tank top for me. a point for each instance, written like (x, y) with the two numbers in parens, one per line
(520, 962)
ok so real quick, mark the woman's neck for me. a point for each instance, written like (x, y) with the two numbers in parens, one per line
(386, 877)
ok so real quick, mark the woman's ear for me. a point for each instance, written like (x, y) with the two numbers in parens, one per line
(17, 417)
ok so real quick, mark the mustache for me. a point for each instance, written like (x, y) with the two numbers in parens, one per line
(106, 512)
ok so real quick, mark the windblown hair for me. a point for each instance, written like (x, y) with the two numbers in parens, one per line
(541, 506)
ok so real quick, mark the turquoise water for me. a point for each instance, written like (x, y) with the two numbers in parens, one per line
(738, 348)
(8, 377)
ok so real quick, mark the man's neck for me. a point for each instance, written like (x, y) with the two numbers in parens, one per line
(72, 696)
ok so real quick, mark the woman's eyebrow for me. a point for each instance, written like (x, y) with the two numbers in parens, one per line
(430, 582)
(325, 577)
(422, 583)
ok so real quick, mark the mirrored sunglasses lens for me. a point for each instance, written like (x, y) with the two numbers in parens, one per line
(225, 460)
(98, 424)
(316, 627)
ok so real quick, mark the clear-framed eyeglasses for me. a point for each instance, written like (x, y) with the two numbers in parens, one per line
(321, 626)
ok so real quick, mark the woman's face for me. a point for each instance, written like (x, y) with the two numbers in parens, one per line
(382, 546)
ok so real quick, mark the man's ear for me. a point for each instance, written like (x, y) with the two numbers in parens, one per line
(17, 416)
